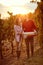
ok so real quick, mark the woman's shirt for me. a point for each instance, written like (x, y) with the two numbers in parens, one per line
(18, 31)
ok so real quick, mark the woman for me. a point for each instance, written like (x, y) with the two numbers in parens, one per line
(18, 35)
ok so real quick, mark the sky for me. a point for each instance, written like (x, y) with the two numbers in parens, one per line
(17, 7)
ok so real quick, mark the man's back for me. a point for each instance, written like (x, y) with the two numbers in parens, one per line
(28, 26)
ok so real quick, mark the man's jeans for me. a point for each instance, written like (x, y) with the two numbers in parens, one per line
(29, 40)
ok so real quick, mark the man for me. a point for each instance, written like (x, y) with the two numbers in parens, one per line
(29, 26)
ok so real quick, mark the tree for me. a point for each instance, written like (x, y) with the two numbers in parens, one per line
(11, 29)
(40, 16)
(1, 36)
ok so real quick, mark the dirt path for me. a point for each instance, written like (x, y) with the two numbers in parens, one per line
(37, 59)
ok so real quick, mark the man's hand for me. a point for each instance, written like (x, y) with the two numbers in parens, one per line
(35, 32)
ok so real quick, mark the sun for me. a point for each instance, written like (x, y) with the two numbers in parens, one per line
(19, 10)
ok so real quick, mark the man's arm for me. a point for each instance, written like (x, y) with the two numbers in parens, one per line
(35, 28)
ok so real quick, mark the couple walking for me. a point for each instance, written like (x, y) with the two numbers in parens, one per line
(26, 26)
